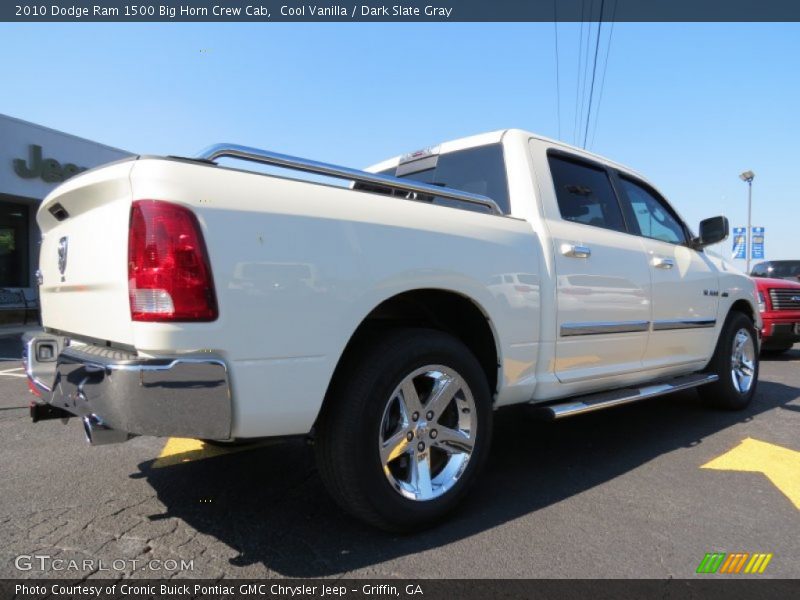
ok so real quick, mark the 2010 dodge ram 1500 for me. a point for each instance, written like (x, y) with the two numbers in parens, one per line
(387, 318)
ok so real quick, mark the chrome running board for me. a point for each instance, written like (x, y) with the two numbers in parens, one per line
(592, 402)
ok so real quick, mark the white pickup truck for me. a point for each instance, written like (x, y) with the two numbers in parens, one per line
(386, 319)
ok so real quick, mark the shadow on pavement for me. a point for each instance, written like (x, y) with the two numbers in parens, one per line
(269, 504)
(789, 356)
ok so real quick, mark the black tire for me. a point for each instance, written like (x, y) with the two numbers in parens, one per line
(724, 393)
(348, 430)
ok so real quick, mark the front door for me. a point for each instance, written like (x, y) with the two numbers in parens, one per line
(685, 289)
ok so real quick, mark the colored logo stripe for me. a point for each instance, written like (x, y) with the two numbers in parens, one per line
(711, 562)
(734, 562)
(722, 562)
(758, 563)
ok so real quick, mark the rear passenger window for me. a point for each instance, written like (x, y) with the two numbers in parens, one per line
(585, 195)
(652, 214)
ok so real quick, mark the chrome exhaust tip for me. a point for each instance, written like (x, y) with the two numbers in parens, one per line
(98, 433)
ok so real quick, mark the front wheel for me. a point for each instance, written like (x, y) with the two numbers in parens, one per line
(736, 363)
(405, 429)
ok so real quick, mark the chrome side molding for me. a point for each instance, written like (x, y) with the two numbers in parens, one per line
(683, 324)
(598, 328)
(319, 168)
(601, 327)
(592, 402)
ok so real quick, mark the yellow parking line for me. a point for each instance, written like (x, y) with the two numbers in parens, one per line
(182, 450)
(780, 465)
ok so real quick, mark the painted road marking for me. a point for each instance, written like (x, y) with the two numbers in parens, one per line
(780, 465)
(10, 370)
(182, 450)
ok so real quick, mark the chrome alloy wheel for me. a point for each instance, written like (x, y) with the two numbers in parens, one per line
(427, 432)
(743, 361)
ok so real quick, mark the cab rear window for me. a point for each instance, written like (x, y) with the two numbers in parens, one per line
(479, 170)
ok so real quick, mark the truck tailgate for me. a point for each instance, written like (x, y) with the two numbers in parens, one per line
(84, 253)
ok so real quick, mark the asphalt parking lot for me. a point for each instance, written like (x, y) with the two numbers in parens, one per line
(640, 491)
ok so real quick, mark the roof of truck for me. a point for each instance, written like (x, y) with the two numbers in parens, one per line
(494, 137)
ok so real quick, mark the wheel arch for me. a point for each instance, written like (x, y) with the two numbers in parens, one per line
(442, 309)
(743, 306)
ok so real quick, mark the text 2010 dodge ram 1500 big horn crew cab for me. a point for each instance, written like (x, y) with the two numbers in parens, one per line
(388, 318)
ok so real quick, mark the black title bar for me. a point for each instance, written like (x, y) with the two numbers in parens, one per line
(397, 11)
(393, 589)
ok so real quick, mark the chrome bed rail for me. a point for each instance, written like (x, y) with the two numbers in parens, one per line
(319, 168)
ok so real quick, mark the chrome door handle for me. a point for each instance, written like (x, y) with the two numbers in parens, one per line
(576, 251)
(661, 262)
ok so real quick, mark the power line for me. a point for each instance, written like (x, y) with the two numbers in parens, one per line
(558, 79)
(605, 70)
(585, 74)
(578, 75)
(594, 72)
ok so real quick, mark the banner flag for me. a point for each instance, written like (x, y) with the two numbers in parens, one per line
(739, 242)
(757, 242)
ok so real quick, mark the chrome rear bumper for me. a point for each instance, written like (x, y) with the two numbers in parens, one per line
(117, 390)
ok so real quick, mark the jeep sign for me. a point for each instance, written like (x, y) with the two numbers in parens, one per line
(48, 169)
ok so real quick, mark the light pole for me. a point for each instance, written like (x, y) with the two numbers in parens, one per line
(748, 177)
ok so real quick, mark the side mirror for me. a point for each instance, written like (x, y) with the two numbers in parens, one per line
(712, 230)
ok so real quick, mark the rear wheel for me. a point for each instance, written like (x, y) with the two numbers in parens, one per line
(405, 429)
(735, 362)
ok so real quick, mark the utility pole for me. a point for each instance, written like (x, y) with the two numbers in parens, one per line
(748, 177)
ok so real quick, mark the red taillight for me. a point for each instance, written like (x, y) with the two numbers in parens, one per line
(169, 277)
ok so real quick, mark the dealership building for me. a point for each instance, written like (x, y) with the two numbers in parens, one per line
(33, 161)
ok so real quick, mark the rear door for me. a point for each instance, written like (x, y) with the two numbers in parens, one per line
(685, 288)
(603, 278)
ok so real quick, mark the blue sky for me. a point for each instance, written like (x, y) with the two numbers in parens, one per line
(688, 105)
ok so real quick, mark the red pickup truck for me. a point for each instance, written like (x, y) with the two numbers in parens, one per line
(779, 301)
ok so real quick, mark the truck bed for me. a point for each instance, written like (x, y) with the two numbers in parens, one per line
(296, 266)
